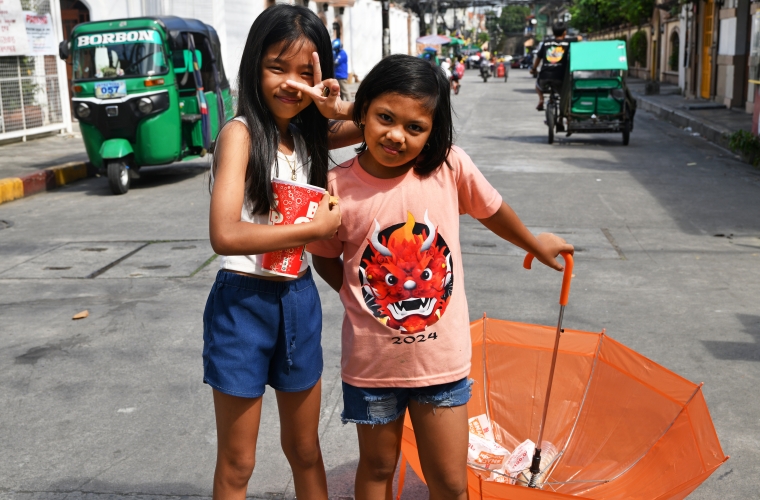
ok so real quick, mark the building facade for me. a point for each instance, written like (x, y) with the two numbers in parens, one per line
(705, 47)
(359, 22)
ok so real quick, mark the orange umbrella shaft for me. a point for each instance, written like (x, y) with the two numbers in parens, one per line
(536, 464)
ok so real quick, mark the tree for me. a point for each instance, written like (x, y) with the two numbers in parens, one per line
(639, 48)
(512, 19)
(596, 15)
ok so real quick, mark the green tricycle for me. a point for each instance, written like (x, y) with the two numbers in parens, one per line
(146, 91)
(594, 97)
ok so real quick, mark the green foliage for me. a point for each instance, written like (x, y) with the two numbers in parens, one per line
(482, 38)
(595, 15)
(747, 144)
(512, 19)
(639, 48)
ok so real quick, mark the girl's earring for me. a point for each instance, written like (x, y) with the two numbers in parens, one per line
(427, 146)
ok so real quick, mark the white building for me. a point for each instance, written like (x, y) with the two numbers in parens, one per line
(361, 24)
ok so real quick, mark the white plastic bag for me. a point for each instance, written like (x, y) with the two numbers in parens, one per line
(486, 454)
(481, 427)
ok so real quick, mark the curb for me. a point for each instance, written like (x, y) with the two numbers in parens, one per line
(13, 188)
(716, 134)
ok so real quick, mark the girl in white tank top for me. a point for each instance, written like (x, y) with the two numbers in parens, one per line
(261, 329)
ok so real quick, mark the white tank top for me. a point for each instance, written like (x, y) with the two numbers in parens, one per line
(251, 264)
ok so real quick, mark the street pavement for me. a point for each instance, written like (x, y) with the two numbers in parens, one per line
(113, 406)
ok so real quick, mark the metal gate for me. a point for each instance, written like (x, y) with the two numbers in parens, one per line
(33, 88)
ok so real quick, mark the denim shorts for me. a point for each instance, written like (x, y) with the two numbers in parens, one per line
(258, 332)
(379, 406)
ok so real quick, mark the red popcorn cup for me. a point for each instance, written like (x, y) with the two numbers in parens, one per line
(296, 203)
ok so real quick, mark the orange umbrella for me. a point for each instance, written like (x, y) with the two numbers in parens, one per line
(625, 427)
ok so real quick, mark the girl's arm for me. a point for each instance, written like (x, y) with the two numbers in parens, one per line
(331, 270)
(546, 246)
(231, 236)
(344, 133)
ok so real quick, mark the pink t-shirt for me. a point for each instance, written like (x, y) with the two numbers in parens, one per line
(406, 322)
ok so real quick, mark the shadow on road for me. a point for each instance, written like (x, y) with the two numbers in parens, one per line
(738, 351)
(150, 178)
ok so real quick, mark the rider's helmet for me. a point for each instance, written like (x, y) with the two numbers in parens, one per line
(336, 45)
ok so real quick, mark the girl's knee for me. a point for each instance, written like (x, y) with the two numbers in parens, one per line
(235, 469)
(378, 467)
(449, 486)
(302, 454)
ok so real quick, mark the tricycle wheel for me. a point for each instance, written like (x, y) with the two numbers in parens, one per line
(550, 122)
(626, 133)
(118, 176)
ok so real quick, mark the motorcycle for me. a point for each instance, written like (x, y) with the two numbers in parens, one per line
(485, 70)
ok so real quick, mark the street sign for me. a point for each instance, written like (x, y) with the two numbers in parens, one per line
(13, 40)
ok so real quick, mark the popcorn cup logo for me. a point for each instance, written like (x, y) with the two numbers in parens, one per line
(295, 203)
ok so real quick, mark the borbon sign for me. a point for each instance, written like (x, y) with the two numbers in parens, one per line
(149, 36)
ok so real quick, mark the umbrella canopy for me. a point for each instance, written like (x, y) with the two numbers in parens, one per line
(599, 55)
(625, 427)
(434, 40)
(455, 41)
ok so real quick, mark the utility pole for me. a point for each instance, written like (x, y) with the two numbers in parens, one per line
(434, 24)
(386, 28)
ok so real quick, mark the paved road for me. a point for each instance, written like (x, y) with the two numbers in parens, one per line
(112, 406)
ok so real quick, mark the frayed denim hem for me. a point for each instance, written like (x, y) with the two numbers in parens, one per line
(448, 399)
(375, 421)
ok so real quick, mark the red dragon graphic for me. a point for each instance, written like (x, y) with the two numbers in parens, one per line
(407, 277)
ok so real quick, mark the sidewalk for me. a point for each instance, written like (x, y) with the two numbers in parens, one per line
(43, 164)
(709, 119)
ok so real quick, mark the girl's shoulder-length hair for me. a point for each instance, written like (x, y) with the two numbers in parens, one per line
(416, 78)
(292, 26)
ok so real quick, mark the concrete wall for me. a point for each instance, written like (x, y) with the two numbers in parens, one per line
(732, 55)
(634, 70)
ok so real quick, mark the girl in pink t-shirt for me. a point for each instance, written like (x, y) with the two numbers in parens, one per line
(405, 336)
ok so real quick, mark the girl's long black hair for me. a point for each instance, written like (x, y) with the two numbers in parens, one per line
(416, 78)
(294, 25)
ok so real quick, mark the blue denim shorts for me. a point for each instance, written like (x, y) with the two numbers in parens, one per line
(379, 406)
(258, 332)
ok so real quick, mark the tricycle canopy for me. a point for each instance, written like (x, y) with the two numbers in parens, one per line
(599, 55)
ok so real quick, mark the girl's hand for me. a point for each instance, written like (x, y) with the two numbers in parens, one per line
(331, 106)
(327, 219)
(551, 246)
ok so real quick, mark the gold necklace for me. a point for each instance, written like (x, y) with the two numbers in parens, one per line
(292, 166)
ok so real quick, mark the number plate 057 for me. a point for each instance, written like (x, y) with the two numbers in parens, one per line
(109, 90)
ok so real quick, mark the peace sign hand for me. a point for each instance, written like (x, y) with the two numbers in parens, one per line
(325, 94)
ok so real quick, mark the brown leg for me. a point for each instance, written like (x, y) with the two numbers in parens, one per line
(442, 444)
(237, 428)
(299, 435)
(379, 449)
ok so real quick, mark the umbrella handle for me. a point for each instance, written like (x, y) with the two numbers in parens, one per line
(564, 293)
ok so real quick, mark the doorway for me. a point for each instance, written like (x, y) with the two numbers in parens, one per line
(73, 12)
(707, 36)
